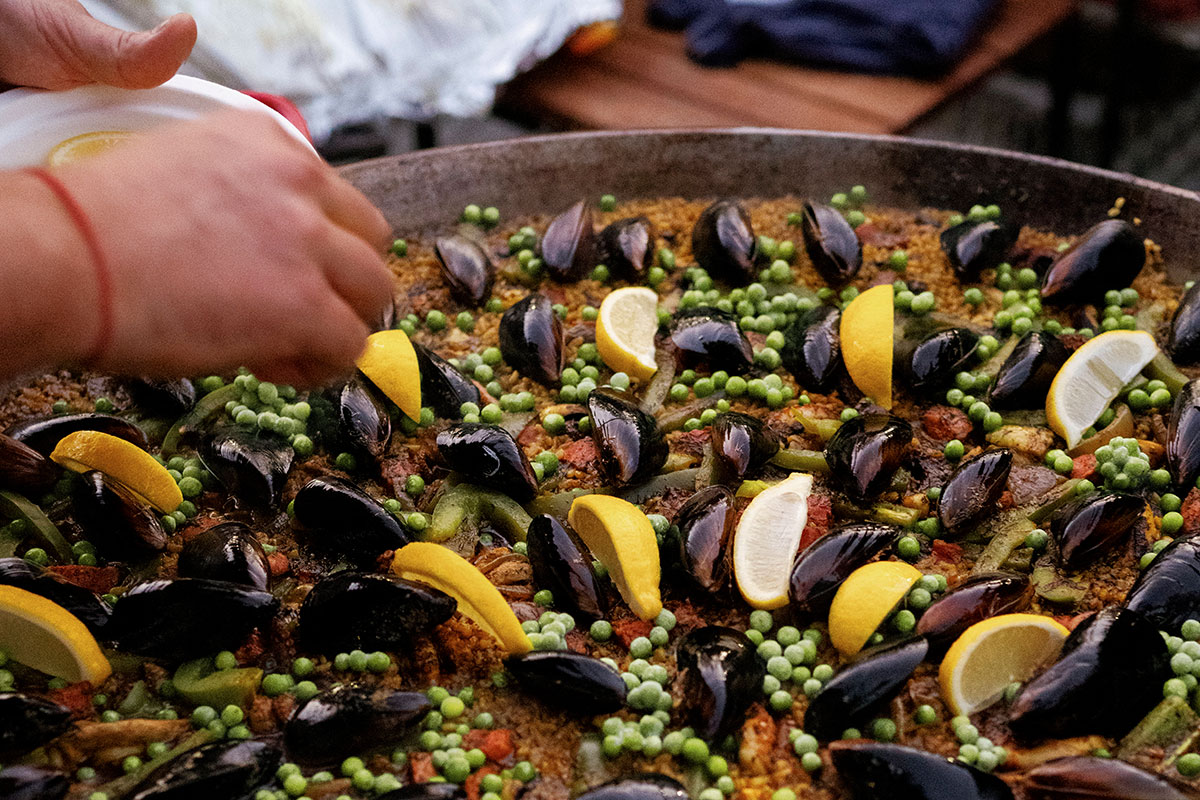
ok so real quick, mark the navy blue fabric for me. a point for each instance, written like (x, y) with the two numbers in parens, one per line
(886, 36)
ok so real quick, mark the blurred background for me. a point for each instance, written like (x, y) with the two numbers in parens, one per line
(1111, 83)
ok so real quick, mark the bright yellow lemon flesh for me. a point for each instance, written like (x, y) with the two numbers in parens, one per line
(45, 636)
(766, 540)
(390, 362)
(124, 462)
(865, 599)
(992, 654)
(625, 331)
(867, 342)
(622, 538)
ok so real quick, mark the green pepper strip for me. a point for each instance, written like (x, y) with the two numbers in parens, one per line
(122, 786)
(823, 429)
(992, 366)
(1009, 534)
(464, 501)
(1164, 369)
(205, 407)
(1162, 728)
(894, 514)
(201, 684)
(39, 526)
(1051, 586)
(1066, 493)
(801, 460)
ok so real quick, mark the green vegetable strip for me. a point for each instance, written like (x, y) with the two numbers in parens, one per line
(39, 525)
(205, 407)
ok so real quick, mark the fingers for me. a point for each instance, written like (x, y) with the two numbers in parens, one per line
(350, 209)
(358, 274)
(126, 59)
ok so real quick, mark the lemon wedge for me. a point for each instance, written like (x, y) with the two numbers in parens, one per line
(45, 636)
(1092, 378)
(991, 654)
(866, 333)
(622, 538)
(625, 331)
(477, 598)
(86, 145)
(766, 540)
(865, 599)
(390, 361)
(124, 462)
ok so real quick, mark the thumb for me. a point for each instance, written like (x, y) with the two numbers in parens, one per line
(133, 60)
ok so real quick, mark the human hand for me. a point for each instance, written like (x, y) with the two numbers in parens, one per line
(56, 44)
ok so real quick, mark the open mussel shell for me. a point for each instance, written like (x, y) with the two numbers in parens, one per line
(874, 770)
(627, 247)
(443, 387)
(467, 268)
(426, 791)
(1087, 528)
(938, 357)
(114, 519)
(974, 490)
(28, 722)
(24, 469)
(83, 604)
(23, 782)
(705, 537)
(639, 786)
(1025, 376)
(820, 568)
(570, 681)
(1108, 256)
(228, 769)
(741, 444)
(187, 617)
(569, 246)
(1183, 436)
(531, 339)
(973, 246)
(865, 453)
(226, 552)
(831, 244)
(630, 445)
(172, 398)
(43, 433)
(561, 564)
(1109, 675)
(977, 598)
(1184, 341)
(720, 675)
(351, 610)
(343, 519)
(1097, 778)
(488, 456)
(812, 349)
(365, 424)
(250, 466)
(351, 720)
(710, 338)
(723, 242)
(861, 687)
(1168, 591)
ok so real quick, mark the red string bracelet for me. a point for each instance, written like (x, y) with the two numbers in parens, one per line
(100, 264)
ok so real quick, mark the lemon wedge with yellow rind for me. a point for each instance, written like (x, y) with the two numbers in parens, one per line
(766, 540)
(86, 145)
(124, 462)
(625, 330)
(867, 342)
(390, 361)
(477, 598)
(994, 653)
(622, 538)
(865, 599)
(45, 636)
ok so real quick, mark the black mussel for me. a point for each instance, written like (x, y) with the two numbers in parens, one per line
(426, 791)
(741, 445)
(343, 519)
(86, 605)
(630, 444)
(365, 424)
(641, 786)
(723, 242)
(489, 456)
(977, 598)
(831, 244)
(1097, 778)
(974, 246)
(812, 349)
(226, 552)
(1108, 256)
(1026, 375)
(531, 339)
(720, 676)
(1109, 675)
(114, 519)
(938, 357)
(1168, 591)
(1183, 436)
(1184, 341)
(351, 720)
(443, 387)
(43, 433)
(872, 770)
(33, 783)
(24, 469)
(28, 722)
(570, 681)
(467, 268)
(822, 566)
(865, 453)
(229, 769)
(859, 688)
(172, 398)
(705, 537)
(351, 610)
(627, 247)
(569, 246)
(561, 564)
(1087, 528)
(187, 617)
(708, 337)
(249, 465)
(974, 490)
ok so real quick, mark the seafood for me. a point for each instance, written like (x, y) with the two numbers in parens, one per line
(1109, 255)
(468, 270)
(705, 536)
(531, 338)
(831, 244)
(865, 453)
(366, 610)
(720, 676)
(723, 241)
(572, 681)
(226, 552)
(347, 720)
(630, 444)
